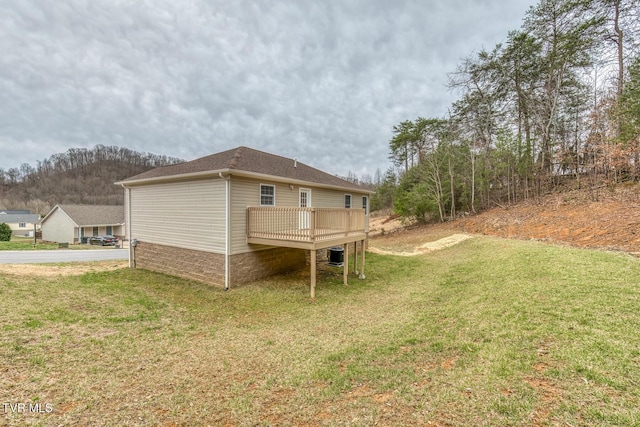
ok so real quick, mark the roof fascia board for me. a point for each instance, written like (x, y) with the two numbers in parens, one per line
(240, 173)
(169, 178)
(44, 218)
(58, 207)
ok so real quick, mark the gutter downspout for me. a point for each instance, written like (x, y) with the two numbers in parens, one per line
(227, 225)
(127, 233)
(127, 227)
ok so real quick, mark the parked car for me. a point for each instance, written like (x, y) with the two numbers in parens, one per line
(103, 240)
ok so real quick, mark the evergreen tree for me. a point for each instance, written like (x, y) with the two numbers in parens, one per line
(5, 232)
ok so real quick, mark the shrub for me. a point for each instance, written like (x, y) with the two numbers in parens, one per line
(5, 232)
(416, 204)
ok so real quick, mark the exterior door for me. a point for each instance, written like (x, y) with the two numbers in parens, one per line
(305, 202)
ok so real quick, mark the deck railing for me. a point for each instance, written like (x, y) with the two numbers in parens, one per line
(304, 224)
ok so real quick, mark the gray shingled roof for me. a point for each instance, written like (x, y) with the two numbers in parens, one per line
(94, 215)
(14, 212)
(17, 218)
(249, 160)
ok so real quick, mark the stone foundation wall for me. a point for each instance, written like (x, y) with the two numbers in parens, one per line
(205, 267)
(321, 256)
(209, 267)
(256, 265)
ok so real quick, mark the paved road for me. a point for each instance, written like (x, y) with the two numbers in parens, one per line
(61, 255)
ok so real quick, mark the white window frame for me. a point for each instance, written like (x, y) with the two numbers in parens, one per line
(350, 201)
(22, 225)
(267, 195)
(365, 205)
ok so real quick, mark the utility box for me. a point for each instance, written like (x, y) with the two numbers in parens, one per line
(336, 256)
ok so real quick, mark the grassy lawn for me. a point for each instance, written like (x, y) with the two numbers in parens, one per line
(489, 332)
(26, 243)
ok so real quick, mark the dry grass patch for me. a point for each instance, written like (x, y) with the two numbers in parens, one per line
(64, 269)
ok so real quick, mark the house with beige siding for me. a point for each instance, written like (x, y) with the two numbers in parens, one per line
(21, 222)
(240, 215)
(74, 223)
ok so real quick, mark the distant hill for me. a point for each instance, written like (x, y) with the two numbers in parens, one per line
(79, 176)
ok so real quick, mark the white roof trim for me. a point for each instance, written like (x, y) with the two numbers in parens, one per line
(240, 173)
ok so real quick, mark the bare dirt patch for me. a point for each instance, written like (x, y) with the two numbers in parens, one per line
(71, 269)
(423, 248)
(389, 235)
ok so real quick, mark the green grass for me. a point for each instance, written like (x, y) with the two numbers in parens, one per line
(26, 243)
(489, 332)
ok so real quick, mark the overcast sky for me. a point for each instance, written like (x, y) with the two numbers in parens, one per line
(322, 81)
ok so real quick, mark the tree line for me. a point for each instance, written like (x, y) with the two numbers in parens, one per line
(556, 105)
(78, 176)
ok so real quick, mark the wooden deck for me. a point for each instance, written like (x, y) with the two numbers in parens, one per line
(305, 228)
(311, 229)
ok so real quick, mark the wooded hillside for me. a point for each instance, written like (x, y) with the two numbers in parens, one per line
(556, 106)
(79, 176)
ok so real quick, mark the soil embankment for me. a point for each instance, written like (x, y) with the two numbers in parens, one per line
(600, 219)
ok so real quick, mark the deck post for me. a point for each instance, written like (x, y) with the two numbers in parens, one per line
(345, 268)
(355, 258)
(362, 259)
(312, 224)
(313, 274)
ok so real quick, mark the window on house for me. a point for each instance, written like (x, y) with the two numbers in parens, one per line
(267, 195)
(347, 201)
(22, 225)
(365, 204)
(109, 230)
(95, 231)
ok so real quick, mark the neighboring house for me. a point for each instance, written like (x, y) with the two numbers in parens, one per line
(22, 223)
(240, 215)
(70, 223)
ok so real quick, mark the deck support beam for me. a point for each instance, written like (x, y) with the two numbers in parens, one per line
(313, 262)
(345, 264)
(362, 246)
(355, 258)
(311, 229)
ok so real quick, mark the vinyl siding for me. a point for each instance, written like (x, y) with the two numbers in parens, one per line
(16, 230)
(189, 214)
(58, 228)
(323, 198)
(246, 192)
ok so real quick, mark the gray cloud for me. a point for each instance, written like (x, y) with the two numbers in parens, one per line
(323, 82)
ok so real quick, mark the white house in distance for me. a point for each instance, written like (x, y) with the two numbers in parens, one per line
(21, 222)
(70, 223)
(240, 215)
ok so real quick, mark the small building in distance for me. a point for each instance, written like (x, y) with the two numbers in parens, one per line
(76, 223)
(21, 222)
